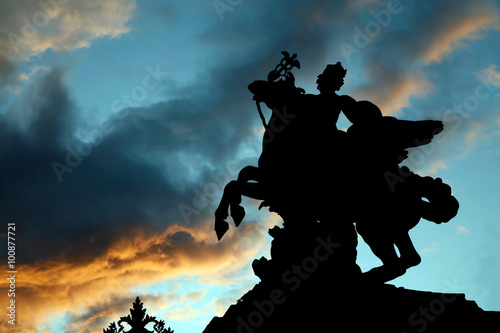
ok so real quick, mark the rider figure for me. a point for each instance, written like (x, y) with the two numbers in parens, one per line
(320, 136)
(302, 129)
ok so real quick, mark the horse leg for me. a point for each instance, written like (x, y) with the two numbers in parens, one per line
(409, 255)
(391, 267)
(385, 252)
(222, 211)
(235, 192)
(230, 198)
(251, 190)
(249, 173)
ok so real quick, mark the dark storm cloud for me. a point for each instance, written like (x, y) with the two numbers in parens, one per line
(155, 157)
(262, 29)
(6, 68)
(9, 78)
(152, 160)
(131, 178)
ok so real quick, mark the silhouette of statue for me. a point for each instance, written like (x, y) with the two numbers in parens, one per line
(305, 154)
(328, 185)
(137, 320)
(300, 128)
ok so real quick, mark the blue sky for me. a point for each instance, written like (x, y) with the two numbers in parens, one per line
(144, 109)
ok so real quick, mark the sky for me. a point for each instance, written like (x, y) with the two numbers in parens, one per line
(121, 121)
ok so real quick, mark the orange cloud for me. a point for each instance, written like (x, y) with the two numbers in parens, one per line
(392, 93)
(452, 36)
(391, 84)
(34, 27)
(93, 293)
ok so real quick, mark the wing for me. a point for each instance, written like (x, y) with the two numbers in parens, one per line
(409, 134)
(384, 140)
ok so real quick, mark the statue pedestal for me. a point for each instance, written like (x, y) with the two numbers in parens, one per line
(313, 284)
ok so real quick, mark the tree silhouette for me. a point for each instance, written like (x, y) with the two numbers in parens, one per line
(138, 319)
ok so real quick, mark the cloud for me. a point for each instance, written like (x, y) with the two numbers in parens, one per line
(460, 138)
(6, 68)
(29, 28)
(405, 76)
(114, 222)
(458, 23)
(491, 75)
(33, 27)
(133, 175)
(396, 59)
(461, 230)
(394, 88)
(433, 248)
(91, 289)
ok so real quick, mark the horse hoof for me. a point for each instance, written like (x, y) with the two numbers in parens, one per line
(220, 228)
(384, 273)
(221, 213)
(237, 213)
